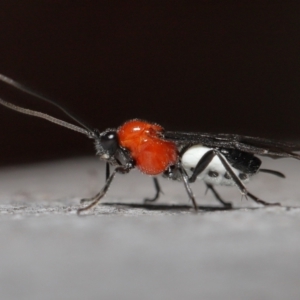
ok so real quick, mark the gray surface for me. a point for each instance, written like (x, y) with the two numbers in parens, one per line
(130, 252)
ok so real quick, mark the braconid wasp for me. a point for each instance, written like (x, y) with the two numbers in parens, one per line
(217, 159)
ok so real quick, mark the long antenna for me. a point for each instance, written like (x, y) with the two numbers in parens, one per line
(45, 116)
(26, 90)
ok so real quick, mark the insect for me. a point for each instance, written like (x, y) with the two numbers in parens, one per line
(217, 159)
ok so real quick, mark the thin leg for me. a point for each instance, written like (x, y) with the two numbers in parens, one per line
(239, 183)
(107, 171)
(261, 201)
(158, 191)
(185, 180)
(104, 190)
(97, 197)
(218, 197)
(89, 199)
(200, 167)
(276, 173)
(202, 164)
(107, 174)
(235, 178)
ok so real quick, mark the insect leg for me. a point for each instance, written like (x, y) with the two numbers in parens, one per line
(107, 171)
(276, 173)
(185, 180)
(202, 164)
(104, 190)
(261, 201)
(228, 168)
(107, 174)
(218, 197)
(200, 167)
(239, 183)
(89, 199)
(158, 191)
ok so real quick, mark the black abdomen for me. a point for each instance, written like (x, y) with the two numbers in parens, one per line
(244, 162)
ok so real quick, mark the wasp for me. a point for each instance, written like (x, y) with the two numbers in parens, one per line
(217, 159)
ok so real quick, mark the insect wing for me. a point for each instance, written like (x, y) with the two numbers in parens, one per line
(248, 144)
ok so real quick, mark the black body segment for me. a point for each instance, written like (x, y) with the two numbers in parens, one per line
(243, 161)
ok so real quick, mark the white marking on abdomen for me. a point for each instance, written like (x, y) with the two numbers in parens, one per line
(191, 158)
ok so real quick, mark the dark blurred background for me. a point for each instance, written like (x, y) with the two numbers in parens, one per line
(216, 66)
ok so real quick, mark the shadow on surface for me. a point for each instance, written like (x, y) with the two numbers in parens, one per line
(186, 207)
(166, 206)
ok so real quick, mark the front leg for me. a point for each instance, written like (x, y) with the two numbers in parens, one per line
(107, 175)
(95, 200)
(158, 191)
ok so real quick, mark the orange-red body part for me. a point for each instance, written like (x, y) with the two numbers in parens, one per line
(152, 154)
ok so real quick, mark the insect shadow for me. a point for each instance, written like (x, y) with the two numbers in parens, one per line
(167, 207)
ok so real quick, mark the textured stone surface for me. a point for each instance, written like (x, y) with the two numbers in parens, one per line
(125, 250)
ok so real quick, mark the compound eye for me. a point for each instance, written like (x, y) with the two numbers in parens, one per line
(109, 142)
